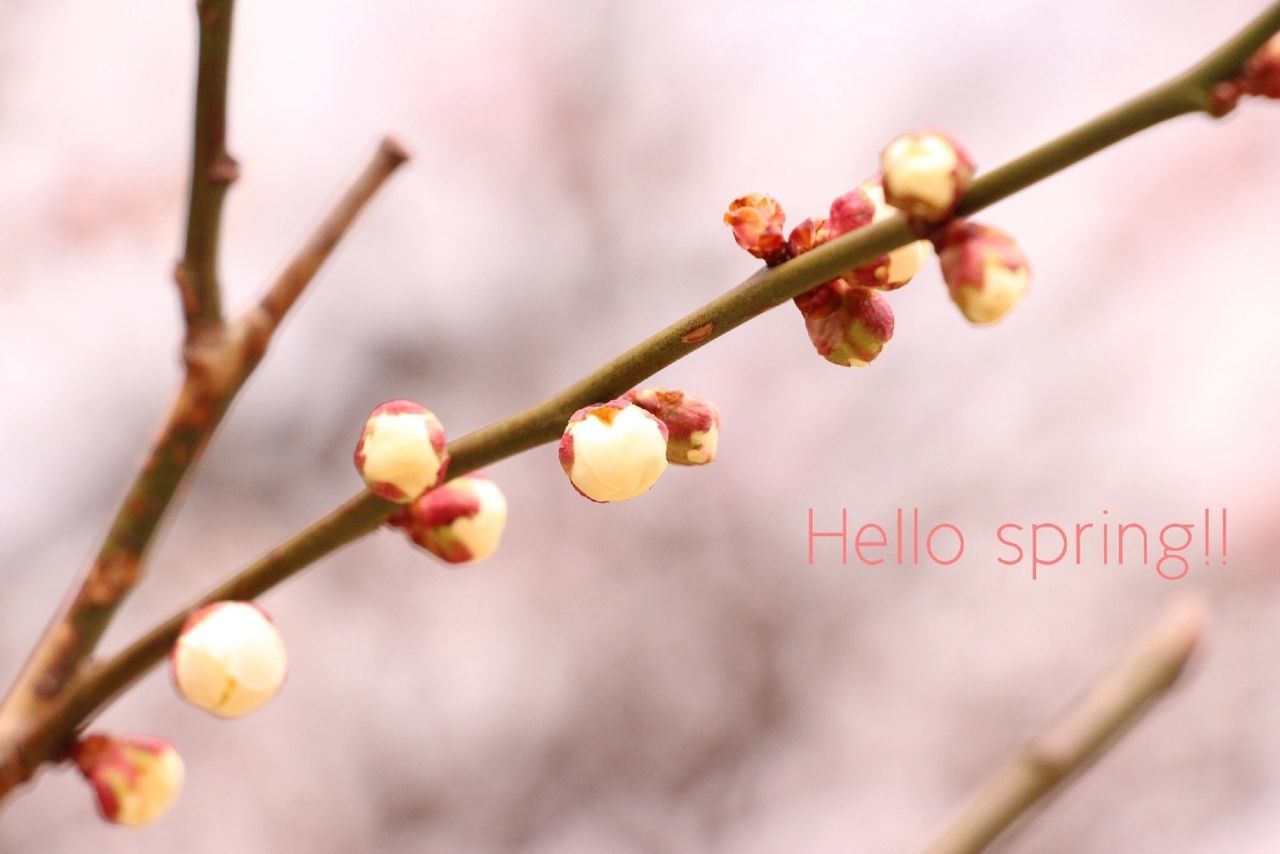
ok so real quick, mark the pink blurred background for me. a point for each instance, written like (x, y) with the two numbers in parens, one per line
(667, 674)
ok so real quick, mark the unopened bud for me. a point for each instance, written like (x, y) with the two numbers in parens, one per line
(926, 174)
(860, 208)
(852, 326)
(459, 522)
(613, 451)
(135, 779)
(229, 659)
(984, 269)
(693, 424)
(402, 451)
(1262, 71)
(757, 221)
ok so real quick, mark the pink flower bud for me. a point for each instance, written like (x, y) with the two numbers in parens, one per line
(229, 659)
(459, 522)
(926, 174)
(851, 326)
(806, 236)
(984, 269)
(862, 207)
(1262, 71)
(693, 424)
(613, 451)
(402, 451)
(135, 779)
(757, 222)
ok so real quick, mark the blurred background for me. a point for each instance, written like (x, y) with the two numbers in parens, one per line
(668, 674)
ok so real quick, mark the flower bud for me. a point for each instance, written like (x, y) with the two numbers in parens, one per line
(402, 452)
(757, 222)
(984, 269)
(805, 236)
(135, 779)
(693, 424)
(459, 522)
(613, 451)
(862, 207)
(1262, 71)
(926, 174)
(851, 327)
(229, 659)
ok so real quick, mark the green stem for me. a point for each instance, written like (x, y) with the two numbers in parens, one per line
(768, 288)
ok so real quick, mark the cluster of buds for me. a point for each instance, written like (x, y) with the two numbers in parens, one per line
(847, 320)
(985, 271)
(402, 451)
(1260, 77)
(924, 176)
(229, 659)
(135, 780)
(459, 522)
(613, 451)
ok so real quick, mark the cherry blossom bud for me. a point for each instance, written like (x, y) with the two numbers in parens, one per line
(402, 452)
(459, 522)
(926, 174)
(229, 659)
(851, 326)
(806, 236)
(1262, 71)
(862, 207)
(984, 269)
(693, 424)
(613, 451)
(757, 222)
(135, 779)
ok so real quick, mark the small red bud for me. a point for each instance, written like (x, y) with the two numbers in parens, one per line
(1262, 72)
(693, 424)
(853, 330)
(757, 222)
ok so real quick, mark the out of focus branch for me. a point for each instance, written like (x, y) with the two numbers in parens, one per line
(1187, 93)
(295, 277)
(1141, 677)
(212, 171)
(218, 362)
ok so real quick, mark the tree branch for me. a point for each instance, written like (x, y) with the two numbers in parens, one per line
(768, 288)
(295, 277)
(1141, 677)
(218, 363)
(212, 171)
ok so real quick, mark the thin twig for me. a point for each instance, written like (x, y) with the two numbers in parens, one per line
(768, 288)
(1140, 678)
(213, 171)
(295, 277)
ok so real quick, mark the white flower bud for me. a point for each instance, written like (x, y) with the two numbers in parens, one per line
(925, 174)
(229, 659)
(135, 779)
(613, 451)
(402, 451)
(459, 522)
